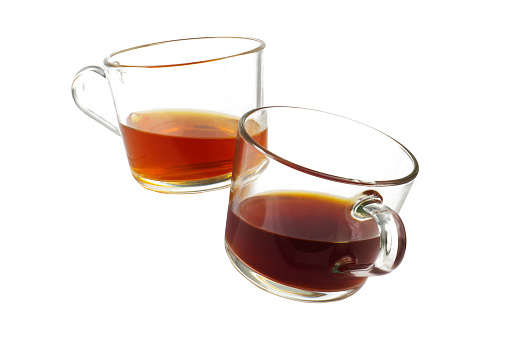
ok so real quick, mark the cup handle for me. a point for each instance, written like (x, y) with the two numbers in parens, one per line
(392, 242)
(77, 83)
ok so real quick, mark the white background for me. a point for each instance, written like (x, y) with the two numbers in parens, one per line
(85, 252)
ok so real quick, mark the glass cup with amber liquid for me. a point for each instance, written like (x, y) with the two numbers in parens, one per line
(178, 104)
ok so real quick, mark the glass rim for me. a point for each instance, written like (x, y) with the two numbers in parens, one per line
(261, 46)
(269, 154)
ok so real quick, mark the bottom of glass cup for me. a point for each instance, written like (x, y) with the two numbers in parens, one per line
(181, 187)
(285, 291)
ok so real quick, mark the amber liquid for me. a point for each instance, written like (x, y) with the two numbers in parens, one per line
(180, 145)
(302, 240)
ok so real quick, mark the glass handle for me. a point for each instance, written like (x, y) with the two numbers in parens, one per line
(78, 83)
(392, 243)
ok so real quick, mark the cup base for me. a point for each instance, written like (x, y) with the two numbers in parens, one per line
(285, 291)
(181, 187)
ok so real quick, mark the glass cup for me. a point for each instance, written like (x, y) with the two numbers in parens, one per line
(178, 104)
(314, 203)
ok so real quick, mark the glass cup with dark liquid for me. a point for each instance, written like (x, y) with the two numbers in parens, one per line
(178, 105)
(314, 203)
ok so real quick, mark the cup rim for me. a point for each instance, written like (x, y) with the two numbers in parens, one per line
(261, 46)
(392, 182)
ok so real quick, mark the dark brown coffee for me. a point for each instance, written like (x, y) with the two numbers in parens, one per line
(303, 240)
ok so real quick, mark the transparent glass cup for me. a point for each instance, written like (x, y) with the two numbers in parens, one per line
(314, 203)
(178, 104)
